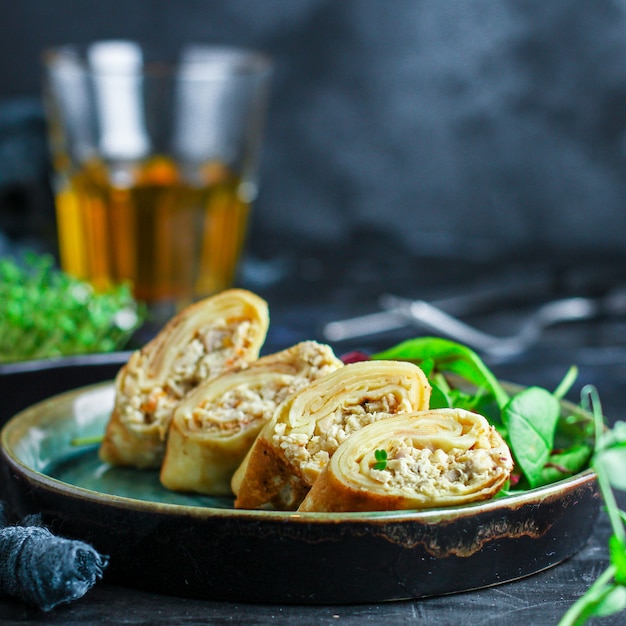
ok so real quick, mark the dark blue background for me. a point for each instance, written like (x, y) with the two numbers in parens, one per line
(460, 128)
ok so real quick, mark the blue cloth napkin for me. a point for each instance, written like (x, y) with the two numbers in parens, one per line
(42, 569)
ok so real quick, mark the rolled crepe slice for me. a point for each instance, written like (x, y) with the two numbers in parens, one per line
(204, 340)
(429, 459)
(296, 444)
(216, 424)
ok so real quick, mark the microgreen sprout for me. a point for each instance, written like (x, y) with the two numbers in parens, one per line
(381, 459)
(87, 441)
(45, 312)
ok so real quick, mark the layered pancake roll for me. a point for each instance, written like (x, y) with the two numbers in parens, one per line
(215, 335)
(216, 424)
(296, 444)
(421, 460)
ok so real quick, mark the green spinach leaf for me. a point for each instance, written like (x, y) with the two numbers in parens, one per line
(530, 419)
(448, 356)
(566, 463)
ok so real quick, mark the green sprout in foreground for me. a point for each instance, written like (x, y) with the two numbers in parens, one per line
(607, 595)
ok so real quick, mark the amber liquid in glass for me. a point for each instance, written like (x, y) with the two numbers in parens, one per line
(172, 238)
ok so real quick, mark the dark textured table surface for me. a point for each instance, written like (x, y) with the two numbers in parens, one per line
(310, 289)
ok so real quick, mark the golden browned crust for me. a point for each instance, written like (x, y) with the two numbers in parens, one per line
(269, 481)
(328, 493)
(205, 467)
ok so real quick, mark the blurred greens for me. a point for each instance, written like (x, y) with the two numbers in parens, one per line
(45, 312)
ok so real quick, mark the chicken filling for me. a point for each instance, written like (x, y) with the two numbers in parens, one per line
(242, 407)
(247, 405)
(432, 472)
(310, 454)
(210, 352)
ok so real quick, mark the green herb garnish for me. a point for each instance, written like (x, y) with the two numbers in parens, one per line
(45, 312)
(87, 441)
(381, 460)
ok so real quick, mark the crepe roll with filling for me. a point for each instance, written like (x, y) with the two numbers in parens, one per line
(216, 424)
(215, 335)
(422, 460)
(297, 443)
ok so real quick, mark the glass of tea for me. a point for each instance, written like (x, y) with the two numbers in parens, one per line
(155, 164)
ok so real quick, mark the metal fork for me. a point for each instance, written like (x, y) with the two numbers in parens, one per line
(548, 314)
(431, 317)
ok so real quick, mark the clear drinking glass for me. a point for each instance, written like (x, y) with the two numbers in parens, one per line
(155, 164)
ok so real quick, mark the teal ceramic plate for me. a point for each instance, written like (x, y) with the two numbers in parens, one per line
(201, 547)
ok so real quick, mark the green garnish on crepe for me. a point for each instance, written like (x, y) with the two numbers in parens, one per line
(381, 459)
